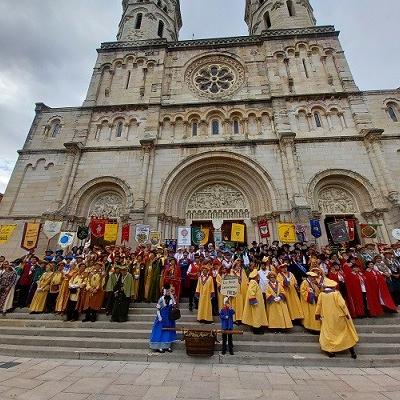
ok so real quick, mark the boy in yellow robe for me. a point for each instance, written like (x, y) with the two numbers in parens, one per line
(205, 292)
(309, 292)
(254, 313)
(289, 283)
(39, 300)
(277, 311)
(238, 301)
(337, 328)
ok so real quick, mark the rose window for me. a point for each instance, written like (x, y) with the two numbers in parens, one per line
(215, 76)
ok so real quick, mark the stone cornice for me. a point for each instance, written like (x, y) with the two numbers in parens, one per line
(229, 41)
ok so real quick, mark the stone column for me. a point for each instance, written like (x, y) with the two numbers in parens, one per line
(147, 147)
(73, 150)
(380, 219)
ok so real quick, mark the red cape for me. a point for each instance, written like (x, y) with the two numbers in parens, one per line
(374, 303)
(354, 299)
(383, 290)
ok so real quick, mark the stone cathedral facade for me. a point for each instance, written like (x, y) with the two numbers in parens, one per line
(269, 125)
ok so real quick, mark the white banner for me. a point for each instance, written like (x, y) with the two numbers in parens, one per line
(52, 228)
(230, 286)
(184, 236)
(66, 239)
(142, 233)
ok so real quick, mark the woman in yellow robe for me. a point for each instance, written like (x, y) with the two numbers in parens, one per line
(63, 295)
(238, 301)
(254, 313)
(309, 292)
(204, 292)
(289, 283)
(222, 273)
(337, 328)
(277, 311)
(38, 303)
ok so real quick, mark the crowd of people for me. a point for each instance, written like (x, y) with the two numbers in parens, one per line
(277, 285)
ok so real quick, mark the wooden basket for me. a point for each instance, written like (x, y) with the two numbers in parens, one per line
(200, 343)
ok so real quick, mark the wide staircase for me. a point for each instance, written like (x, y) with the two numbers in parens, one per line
(47, 336)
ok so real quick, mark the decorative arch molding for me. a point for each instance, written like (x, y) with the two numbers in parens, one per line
(365, 195)
(86, 195)
(218, 168)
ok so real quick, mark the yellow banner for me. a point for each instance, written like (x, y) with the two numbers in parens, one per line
(6, 232)
(237, 234)
(111, 232)
(31, 236)
(205, 235)
(287, 233)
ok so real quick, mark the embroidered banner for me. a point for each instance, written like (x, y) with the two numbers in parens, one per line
(30, 236)
(315, 228)
(264, 229)
(83, 232)
(155, 238)
(369, 231)
(339, 232)
(126, 233)
(6, 232)
(52, 228)
(200, 235)
(66, 239)
(97, 227)
(111, 232)
(287, 233)
(142, 233)
(184, 236)
(238, 233)
(301, 233)
(351, 228)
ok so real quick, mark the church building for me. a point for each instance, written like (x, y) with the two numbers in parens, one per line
(269, 126)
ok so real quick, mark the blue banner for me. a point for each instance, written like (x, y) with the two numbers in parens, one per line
(315, 228)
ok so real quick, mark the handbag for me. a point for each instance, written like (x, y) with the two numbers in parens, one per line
(174, 314)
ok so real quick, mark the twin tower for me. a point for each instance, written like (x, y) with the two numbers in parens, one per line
(161, 19)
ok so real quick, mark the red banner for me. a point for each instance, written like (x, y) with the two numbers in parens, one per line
(125, 233)
(351, 228)
(264, 229)
(98, 227)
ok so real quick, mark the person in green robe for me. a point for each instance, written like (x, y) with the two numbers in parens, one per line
(113, 278)
(123, 292)
(157, 266)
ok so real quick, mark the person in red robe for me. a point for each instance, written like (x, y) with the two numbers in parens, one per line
(336, 274)
(172, 276)
(356, 291)
(378, 295)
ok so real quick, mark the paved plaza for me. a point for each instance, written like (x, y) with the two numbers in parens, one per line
(41, 379)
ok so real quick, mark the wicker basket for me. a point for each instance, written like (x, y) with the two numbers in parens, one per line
(200, 343)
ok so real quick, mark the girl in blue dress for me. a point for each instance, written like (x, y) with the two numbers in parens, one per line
(160, 340)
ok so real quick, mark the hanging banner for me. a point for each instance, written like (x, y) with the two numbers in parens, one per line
(52, 228)
(170, 244)
(238, 233)
(396, 233)
(351, 228)
(30, 236)
(184, 236)
(155, 238)
(217, 238)
(369, 231)
(142, 233)
(301, 233)
(315, 228)
(200, 235)
(6, 232)
(264, 229)
(97, 227)
(126, 230)
(83, 232)
(66, 239)
(339, 232)
(287, 233)
(111, 232)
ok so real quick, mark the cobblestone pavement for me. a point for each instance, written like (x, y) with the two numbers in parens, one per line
(41, 379)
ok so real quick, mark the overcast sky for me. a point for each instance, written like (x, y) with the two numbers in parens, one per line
(47, 50)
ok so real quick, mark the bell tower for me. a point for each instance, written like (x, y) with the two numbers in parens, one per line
(150, 19)
(262, 15)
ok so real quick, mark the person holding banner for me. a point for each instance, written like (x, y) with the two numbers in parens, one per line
(39, 300)
(8, 280)
(238, 301)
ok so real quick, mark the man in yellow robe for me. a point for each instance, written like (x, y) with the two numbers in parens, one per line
(39, 300)
(338, 332)
(238, 301)
(309, 292)
(277, 311)
(254, 313)
(289, 283)
(205, 292)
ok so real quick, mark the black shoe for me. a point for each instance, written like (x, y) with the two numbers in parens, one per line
(231, 352)
(161, 351)
(86, 320)
(353, 354)
(331, 355)
(190, 308)
(169, 350)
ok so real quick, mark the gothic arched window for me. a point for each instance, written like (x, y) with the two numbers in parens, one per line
(215, 127)
(267, 20)
(392, 112)
(139, 19)
(160, 29)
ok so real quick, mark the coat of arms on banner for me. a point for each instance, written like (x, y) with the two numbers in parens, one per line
(155, 238)
(52, 228)
(142, 233)
(66, 239)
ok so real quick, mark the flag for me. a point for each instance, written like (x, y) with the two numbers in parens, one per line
(66, 239)
(396, 233)
(30, 236)
(350, 225)
(301, 233)
(264, 229)
(184, 236)
(142, 233)
(170, 244)
(339, 232)
(97, 227)
(369, 231)
(200, 235)
(52, 228)
(238, 233)
(315, 228)
(83, 232)
(126, 230)
(286, 233)
(6, 232)
(155, 238)
(111, 232)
